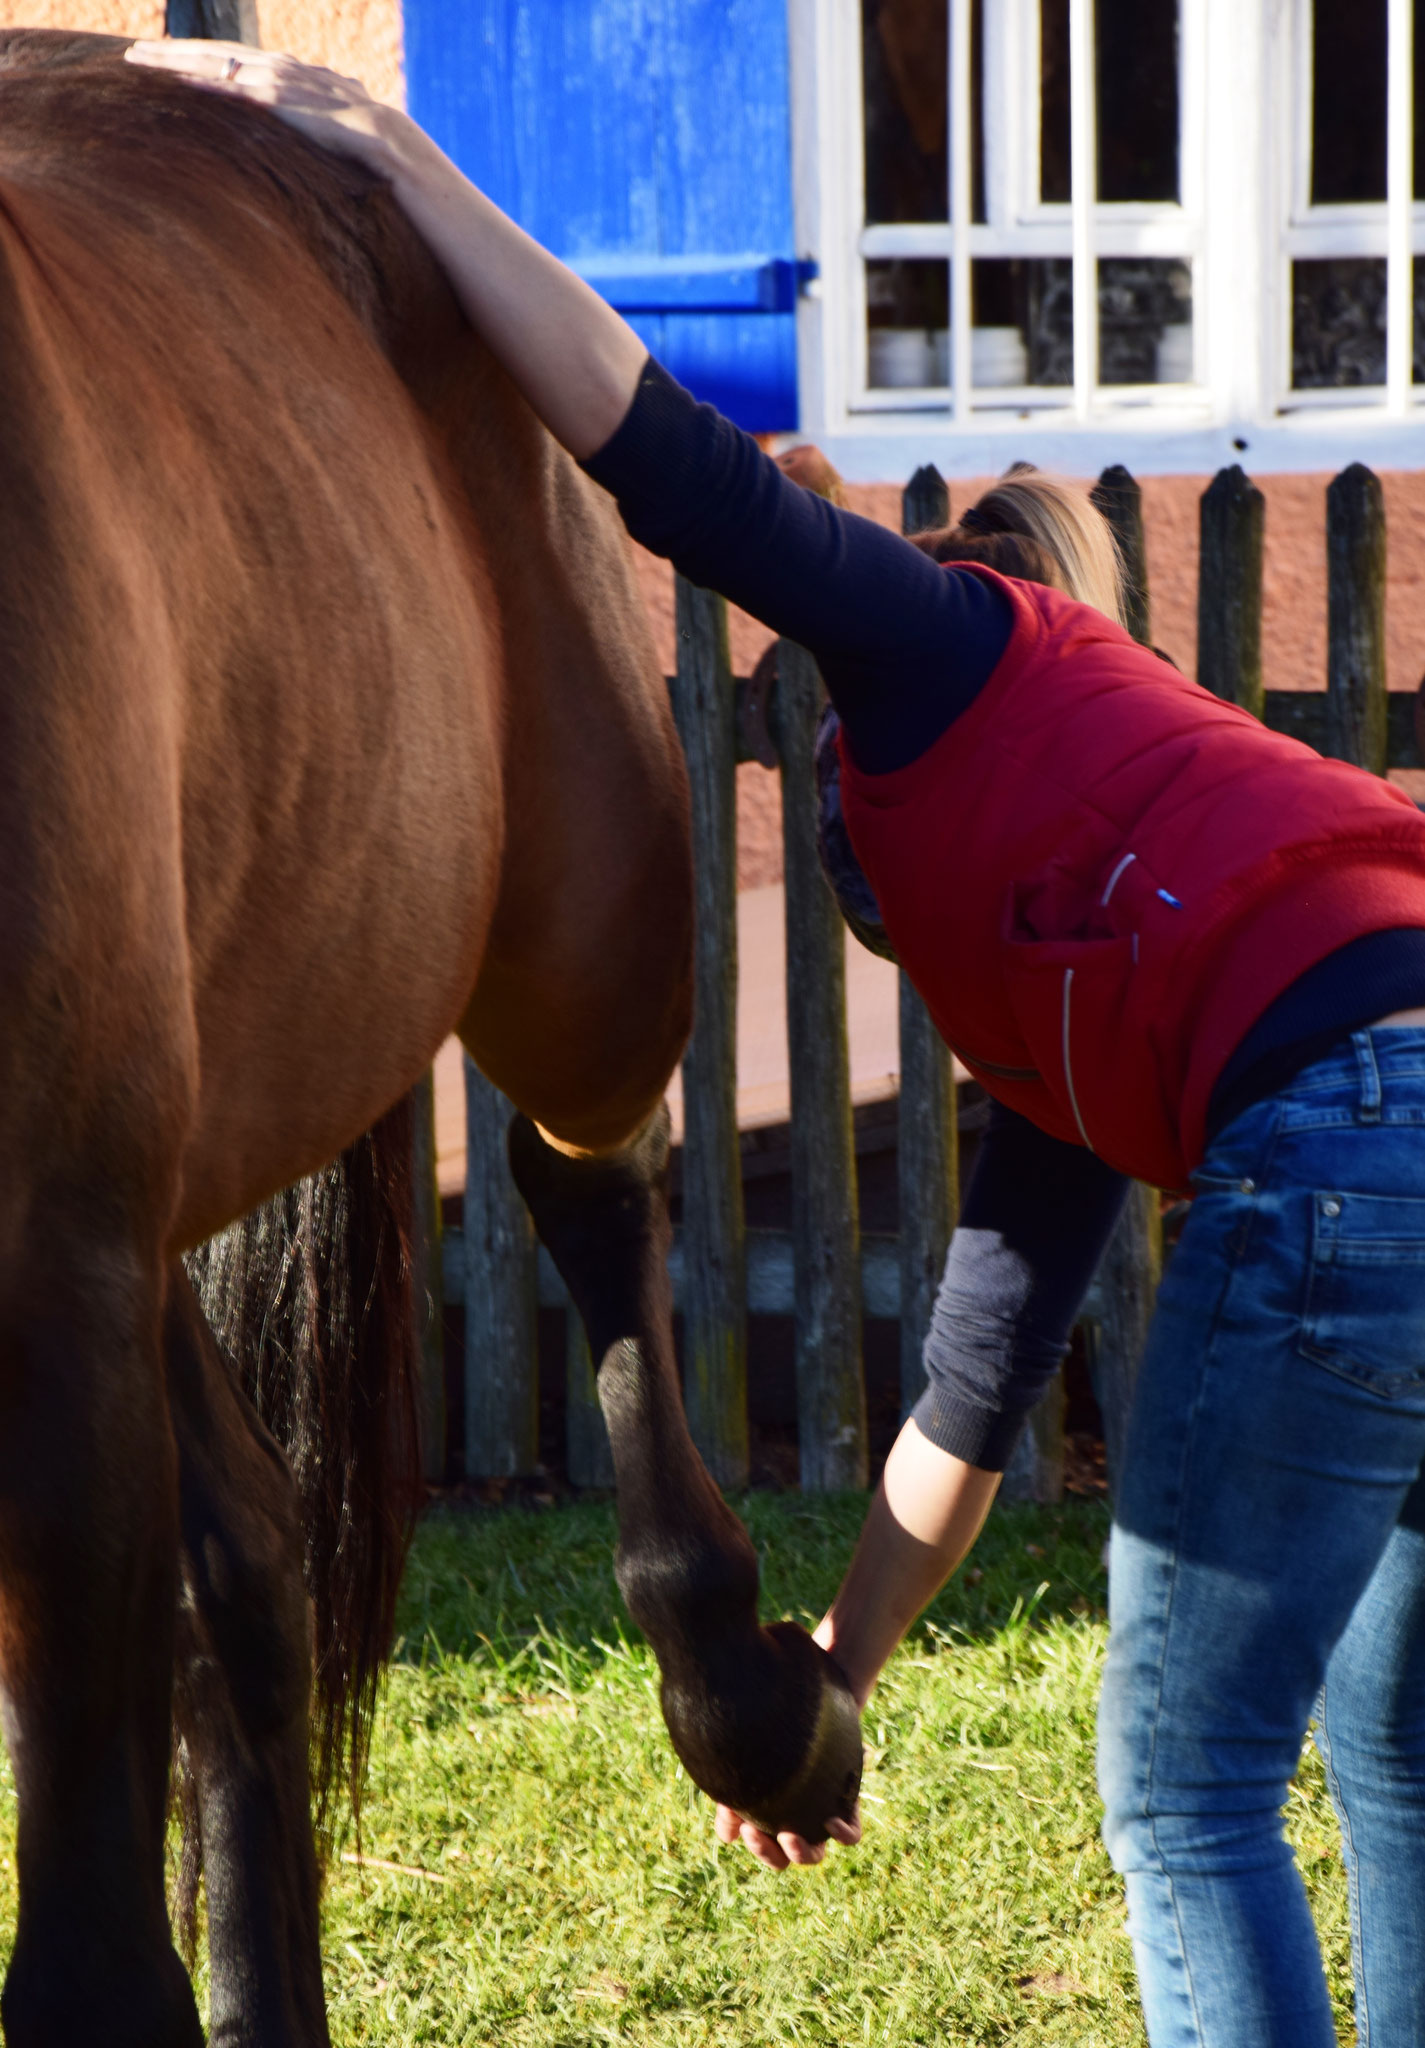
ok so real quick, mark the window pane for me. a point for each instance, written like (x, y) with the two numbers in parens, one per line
(908, 324)
(1055, 185)
(904, 61)
(1023, 322)
(1348, 44)
(1136, 77)
(1144, 320)
(1337, 322)
(1419, 98)
(1137, 45)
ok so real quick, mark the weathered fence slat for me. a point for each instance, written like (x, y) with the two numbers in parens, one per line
(222, 21)
(831, 1397)
(925, 501)
(1120, 499)
(427, 1279)
(1036, 1470)
(588, 1458)
(927, 1137)
(715, 1299)
(927, 1179)
(501, 1364)
(1128, 1277)
(1229, 590)
(1356, 719)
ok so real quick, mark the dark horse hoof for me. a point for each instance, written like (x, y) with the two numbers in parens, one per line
(826, 1786)
(779, 1742)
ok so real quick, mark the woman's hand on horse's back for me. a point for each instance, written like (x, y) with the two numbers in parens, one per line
(336, 112)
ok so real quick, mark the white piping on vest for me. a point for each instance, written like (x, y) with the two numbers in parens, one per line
(1127, 861)
(1068, 1069)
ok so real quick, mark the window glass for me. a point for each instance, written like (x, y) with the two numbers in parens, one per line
(1137, 44)
(1137, 87)
(1055, 183)
(908, 324)
(1144, 320)
(905, 80)
(1337, 322)
(1023, 321)
(1348, 88)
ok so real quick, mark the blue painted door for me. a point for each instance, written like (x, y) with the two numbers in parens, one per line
(647, 142)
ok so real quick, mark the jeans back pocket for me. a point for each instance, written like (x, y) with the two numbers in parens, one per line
(1365, 1296)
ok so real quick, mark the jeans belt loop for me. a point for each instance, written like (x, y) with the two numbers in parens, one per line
(1370, 1077)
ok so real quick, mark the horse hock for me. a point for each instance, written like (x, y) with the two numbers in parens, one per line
(761, 1718)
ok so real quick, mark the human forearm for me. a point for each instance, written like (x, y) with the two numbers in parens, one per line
(575, 360)
(923, 1519)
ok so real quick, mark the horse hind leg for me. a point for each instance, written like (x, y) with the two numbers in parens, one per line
(242, 1698)
(761, 1718)
(88, 1581)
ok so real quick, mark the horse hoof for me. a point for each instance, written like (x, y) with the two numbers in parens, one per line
(826, 1784)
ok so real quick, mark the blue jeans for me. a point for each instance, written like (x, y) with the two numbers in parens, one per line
(1268, 1564)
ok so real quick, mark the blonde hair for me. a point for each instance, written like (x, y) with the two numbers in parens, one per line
(1066, 530)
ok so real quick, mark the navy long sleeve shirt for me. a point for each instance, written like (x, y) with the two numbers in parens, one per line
(904, 646)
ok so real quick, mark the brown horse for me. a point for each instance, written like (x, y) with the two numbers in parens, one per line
(329, 722)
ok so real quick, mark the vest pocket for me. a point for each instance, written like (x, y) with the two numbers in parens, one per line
(1068, 997)
(1365, 1298)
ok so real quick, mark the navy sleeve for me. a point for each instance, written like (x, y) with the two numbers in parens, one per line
(903, 644)
(1036, 1218)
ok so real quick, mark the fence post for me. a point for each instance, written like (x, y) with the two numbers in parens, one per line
(927, 1137)
(501, 1363)
(1036, 1470)
(715, 1290)
(1128, 1277)
(925, 501)
(222, 21)
(427, 1286)
(1356, 705)
(1229, 590)
(1119, 498)
(831, 1394)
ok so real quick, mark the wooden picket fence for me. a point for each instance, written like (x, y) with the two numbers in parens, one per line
(823, 1272)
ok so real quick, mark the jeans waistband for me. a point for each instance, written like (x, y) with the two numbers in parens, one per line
(1373, 1075)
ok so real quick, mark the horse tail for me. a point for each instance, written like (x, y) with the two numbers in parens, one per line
(310, 1297)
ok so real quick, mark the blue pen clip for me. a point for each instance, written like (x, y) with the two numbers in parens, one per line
(1171, 901)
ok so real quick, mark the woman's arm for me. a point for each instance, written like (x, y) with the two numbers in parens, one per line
(1036, 1218)
(903, 644)
(575, 359)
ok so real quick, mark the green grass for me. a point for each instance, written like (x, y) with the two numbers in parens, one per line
(520, 1758)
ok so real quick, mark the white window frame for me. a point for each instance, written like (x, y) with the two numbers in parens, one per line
(1241, 220)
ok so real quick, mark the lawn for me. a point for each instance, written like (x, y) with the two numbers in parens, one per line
(560, 1885)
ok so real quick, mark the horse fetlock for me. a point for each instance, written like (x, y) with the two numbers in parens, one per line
(774, 1733)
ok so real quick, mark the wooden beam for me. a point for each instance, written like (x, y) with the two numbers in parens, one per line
(715, 1312)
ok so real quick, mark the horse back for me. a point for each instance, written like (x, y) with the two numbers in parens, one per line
(251, 657)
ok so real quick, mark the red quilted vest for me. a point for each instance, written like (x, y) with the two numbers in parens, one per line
(1100, 876)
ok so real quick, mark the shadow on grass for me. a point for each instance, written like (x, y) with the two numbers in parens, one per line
(484, 1583)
